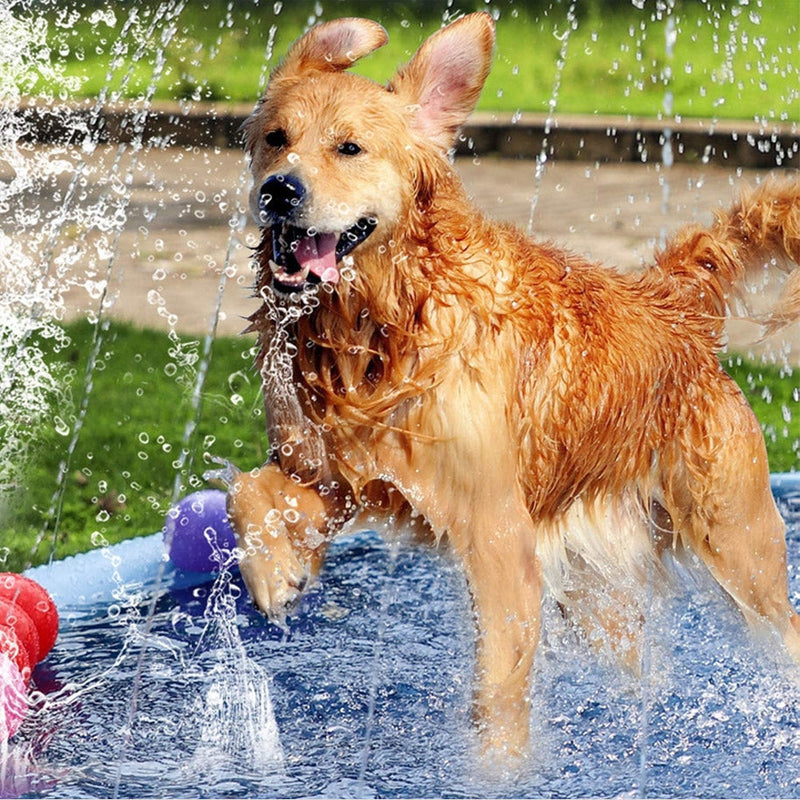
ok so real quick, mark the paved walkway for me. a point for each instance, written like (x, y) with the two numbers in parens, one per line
(177, 243)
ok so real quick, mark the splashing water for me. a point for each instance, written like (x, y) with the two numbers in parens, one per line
(237, 714)
(301, 447)
(30, 296)
(541, 160)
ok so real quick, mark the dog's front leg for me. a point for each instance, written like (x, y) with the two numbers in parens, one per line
(505, 581)
(282, 529)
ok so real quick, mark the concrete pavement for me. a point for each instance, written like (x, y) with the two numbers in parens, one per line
(182, 248)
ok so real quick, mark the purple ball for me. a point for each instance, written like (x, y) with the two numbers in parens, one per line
(197, 528)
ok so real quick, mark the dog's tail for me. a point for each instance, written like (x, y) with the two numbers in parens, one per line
(715, 264)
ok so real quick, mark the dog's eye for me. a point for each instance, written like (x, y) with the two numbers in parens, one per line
(276, 138)
(349, 149)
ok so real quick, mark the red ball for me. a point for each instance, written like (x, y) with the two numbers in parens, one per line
(36, 603)
(11, 646)
(12, 616)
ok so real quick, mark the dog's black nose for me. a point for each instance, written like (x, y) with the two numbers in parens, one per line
(281, 195)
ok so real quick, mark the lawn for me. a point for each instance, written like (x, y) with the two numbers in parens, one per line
(119, 480)
(734, 60)
(127, 461)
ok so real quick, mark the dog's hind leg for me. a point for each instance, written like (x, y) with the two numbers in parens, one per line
(610, 617)
(280, 527)
(724, 510)
(609, 571)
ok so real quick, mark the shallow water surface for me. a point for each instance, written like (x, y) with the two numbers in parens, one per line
(366, 694)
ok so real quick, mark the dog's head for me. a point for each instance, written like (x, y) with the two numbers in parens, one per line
(337, 160)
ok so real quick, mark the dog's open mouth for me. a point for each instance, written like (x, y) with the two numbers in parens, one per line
(301, 256)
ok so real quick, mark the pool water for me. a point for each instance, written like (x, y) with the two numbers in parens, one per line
(366, 694)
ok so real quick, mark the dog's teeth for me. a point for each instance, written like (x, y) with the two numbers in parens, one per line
(274, 267)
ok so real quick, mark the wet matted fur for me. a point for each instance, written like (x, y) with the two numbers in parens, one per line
(560, 423)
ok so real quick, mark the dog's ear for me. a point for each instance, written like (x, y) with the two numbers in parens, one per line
(333, 46)
(443, 80)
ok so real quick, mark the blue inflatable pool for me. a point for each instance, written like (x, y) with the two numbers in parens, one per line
(166, 683)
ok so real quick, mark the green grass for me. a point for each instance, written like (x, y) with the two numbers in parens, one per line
(730, 60)
(121, 476)
(774, 396)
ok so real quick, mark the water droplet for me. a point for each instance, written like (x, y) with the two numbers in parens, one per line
(98, 540)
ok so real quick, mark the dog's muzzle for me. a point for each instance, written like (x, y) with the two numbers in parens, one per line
(301, 255)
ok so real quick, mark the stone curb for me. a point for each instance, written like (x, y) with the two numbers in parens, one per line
(568, 137)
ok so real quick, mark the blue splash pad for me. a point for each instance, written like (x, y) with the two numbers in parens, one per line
(370, 687)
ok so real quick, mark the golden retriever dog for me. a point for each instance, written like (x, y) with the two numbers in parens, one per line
(561, 424)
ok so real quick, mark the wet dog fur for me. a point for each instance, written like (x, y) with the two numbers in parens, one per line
(561, 424)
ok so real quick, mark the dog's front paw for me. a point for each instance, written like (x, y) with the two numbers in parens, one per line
(278, 528)
(275, 575)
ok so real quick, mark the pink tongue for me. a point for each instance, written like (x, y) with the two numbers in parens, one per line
(318, 253)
